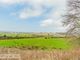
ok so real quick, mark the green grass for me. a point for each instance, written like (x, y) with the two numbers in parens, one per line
(39, 43)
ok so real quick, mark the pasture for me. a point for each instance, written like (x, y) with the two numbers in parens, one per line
(39, 47)
(36, 43)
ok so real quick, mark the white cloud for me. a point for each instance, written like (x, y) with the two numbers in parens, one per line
(6, 1)
(46, 23)
(37, 6)
(26, 13)
(37, 2)
(11, 2)
(50, 23)
(53, 18)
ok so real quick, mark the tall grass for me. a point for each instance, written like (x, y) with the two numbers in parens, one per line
(73, 54)
(51, 55)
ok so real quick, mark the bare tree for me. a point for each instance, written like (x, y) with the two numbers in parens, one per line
(72, 17)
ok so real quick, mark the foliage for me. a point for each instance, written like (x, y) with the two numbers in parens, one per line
(72, 17)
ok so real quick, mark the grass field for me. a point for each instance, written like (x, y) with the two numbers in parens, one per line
(37, 43)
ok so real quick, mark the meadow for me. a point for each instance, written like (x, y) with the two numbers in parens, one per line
(36, 43)
(39, 46)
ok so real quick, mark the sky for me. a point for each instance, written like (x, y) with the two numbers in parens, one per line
(32, 15)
